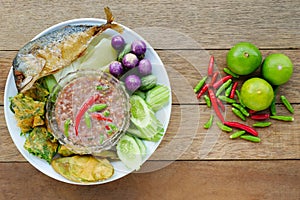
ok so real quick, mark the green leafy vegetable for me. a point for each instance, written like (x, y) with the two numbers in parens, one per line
(50, 82)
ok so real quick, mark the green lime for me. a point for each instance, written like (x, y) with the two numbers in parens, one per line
(257, 94)
(243, 58)
(277, 69)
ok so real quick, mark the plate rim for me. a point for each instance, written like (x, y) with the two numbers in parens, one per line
(26, 155)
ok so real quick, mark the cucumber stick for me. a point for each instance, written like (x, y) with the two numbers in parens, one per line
(158, 97)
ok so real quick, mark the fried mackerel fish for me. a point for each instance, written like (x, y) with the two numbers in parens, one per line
(52, 52)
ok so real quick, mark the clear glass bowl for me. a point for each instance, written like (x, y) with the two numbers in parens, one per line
(75, 125)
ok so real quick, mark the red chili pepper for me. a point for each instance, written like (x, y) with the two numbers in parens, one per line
(83, 109)
(260, 116)
(251, 112)
(100, 117)
(202, 91)
(210, 69)
(221, 105)
(107, 127)
(242, 126)
(231, 96)
(221, 81)
(214, 78)
(214, 104)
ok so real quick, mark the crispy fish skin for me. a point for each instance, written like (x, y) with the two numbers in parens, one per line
(54, 51)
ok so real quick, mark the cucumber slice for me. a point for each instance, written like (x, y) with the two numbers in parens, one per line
(144, 123)
(148, 82)
(142, 146)
(140, 113)
(129, 152)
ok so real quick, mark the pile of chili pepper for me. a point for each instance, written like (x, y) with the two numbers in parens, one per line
(225, 90)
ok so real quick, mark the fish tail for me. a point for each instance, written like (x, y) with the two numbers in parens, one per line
(109, 22)
(96, 30)
(109, 15)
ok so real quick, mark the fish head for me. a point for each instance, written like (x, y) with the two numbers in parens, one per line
(26, 67)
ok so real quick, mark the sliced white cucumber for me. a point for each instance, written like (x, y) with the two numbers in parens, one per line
(144, 123)
(129, 152)
(142, 146)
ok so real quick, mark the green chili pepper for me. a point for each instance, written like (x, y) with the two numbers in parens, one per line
(207, 100)
(262, 124)
(228, 90)
(87, 120)
(208, 124)
(238, 94)
(97, 107)
(200, 84)
(102, 87)
(273, 107)
(237, 134)
(226, 99)
(250, 138)
(228, 71)
(223, 87)
(273, 104)
(66, 127)
(242, 109)
(106, 113)
(113, 126)
(282, 118)
(101, 138)
(287, 104)
(224, 127)
(99, 87)
(109, 132)
(238, 113)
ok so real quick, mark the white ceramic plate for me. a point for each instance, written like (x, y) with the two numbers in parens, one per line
(120, 169)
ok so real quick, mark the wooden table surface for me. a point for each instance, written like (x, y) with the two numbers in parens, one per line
(191, 162)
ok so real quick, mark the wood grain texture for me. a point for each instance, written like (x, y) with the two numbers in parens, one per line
(247, 180)
(185, 68)
(212, 23)
(191, 162)
(186, 139)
